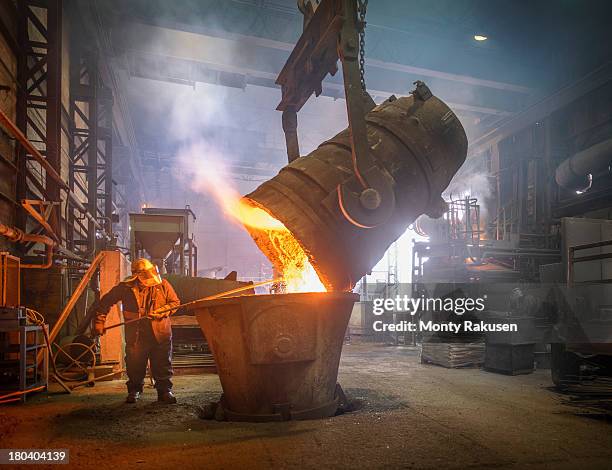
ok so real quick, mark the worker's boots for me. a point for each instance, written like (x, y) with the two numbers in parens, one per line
(166, 397)
(132, 397)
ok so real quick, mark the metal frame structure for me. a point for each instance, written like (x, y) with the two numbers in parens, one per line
(90, 175)
(268, 25)
(39, 129)
(64, 192)
(39, 101)
(33, 361)
(182, 258)
(464, 220)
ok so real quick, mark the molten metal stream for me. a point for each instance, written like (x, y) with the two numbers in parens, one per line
(286, 254)
(291, 259)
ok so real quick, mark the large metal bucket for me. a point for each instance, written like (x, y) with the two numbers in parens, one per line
(277, 355)
(419, 144)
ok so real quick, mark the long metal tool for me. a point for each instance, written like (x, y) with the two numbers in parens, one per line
(210, 297)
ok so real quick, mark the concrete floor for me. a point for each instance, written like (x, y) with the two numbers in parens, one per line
(409, 416)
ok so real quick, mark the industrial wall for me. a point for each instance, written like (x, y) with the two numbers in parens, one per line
(8, 99)
(46, 290)
(528, 202)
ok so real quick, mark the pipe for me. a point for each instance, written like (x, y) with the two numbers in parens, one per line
(50, 171)
(575, 172)
(23, 140)
(18, 236)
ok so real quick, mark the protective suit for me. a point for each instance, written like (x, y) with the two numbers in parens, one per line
(150, 339)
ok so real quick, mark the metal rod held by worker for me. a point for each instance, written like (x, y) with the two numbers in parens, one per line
(210, 297)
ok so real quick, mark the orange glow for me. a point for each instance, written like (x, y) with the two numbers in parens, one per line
(297, 271)
(291, 260)
(483, 230)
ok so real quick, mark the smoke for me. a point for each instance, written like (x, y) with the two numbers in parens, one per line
(201, 169)
(473, 184)
(201, 143)
(207, 143)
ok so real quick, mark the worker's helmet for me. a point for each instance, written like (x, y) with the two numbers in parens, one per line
(146, 272)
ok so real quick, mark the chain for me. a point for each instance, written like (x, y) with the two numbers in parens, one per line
(362, 6)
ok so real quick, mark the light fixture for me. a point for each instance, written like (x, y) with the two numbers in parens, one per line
(584, 190)
(480, 37)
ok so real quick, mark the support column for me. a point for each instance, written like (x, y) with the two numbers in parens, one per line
(39, 101)
(113, 269)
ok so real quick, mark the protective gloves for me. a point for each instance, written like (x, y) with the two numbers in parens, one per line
(99, 328)
(159, 313)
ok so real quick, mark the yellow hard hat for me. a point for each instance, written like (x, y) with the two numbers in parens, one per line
(146, 272)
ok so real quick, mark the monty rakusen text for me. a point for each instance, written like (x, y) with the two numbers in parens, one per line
(412, 305)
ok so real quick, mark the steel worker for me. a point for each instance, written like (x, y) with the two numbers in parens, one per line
(143, 295)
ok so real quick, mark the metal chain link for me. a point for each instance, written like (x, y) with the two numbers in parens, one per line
(362, 6)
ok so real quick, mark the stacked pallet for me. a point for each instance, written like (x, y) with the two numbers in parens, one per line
(453, 355)
(588, 386)
(591, 395)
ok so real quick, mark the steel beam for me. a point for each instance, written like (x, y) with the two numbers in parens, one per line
(92, 21)
(54, 103)
(236, 60)
(156, 67)
(83, 142)
(543, 108)
(105, 156)
(39, 100)
(453, 77)
(244, 39)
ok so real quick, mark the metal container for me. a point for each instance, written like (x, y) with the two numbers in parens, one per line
(509, 359)
(277, 356)
(420, 144)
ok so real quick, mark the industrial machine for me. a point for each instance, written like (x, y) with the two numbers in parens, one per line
(166, 235)
(336, 210)
(462, 256)
(419, 143)
(581, 293)
(23, 349)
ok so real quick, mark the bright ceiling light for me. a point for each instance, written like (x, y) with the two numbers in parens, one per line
(480, 37)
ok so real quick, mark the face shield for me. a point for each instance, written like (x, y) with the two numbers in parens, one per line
(150, 277)
(146, 273)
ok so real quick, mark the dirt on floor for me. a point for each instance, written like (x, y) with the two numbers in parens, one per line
(407, 415)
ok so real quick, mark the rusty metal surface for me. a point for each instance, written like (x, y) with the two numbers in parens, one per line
(313, 57)
(16, 235)
(277, 355)
(334, 31)
(10, 280)
(41, 211)
(419, 144)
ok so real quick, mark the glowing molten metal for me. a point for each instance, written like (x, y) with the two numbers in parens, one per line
(291, 260)
(284, 251)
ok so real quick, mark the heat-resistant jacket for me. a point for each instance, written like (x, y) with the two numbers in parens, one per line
(133, 298)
